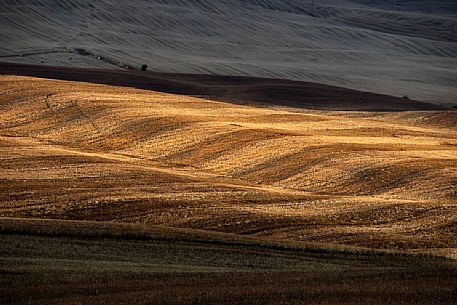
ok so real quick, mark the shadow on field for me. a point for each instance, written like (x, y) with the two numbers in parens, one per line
(235, 89)
(97, 263)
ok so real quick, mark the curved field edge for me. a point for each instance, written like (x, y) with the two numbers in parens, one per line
(236, 89)
(81, 151)
(66, 262)
(137, 232)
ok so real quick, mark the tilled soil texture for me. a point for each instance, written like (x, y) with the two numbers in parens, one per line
(82, 151)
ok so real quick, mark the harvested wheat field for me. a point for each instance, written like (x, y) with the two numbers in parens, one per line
(172, 196)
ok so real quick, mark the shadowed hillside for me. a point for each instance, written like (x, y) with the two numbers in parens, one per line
(69, 262)
(389, 47)
(237, 89)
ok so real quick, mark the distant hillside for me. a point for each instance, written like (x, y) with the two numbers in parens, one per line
(390, 47)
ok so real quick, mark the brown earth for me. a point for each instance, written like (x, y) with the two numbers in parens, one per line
(238, 89)
(68, 262)
(369, 181)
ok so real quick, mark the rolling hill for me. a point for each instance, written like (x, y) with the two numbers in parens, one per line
(389, 47)
(274, 152)
(82, 151)
(131, 187)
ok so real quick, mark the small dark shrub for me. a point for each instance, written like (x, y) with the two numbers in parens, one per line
(405, 97)
(144, 67)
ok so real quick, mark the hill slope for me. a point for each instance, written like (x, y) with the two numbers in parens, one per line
(390, 47)
(74, 150)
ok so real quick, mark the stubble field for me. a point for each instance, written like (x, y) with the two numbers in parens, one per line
(359, 188)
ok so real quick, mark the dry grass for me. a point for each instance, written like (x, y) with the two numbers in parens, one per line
(68, 262)
(269, 205)
(73, 150)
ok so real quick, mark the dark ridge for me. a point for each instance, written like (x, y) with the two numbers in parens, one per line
(235, 89)
(89, 230)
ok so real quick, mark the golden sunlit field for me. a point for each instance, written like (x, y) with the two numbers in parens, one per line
(365, 196)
